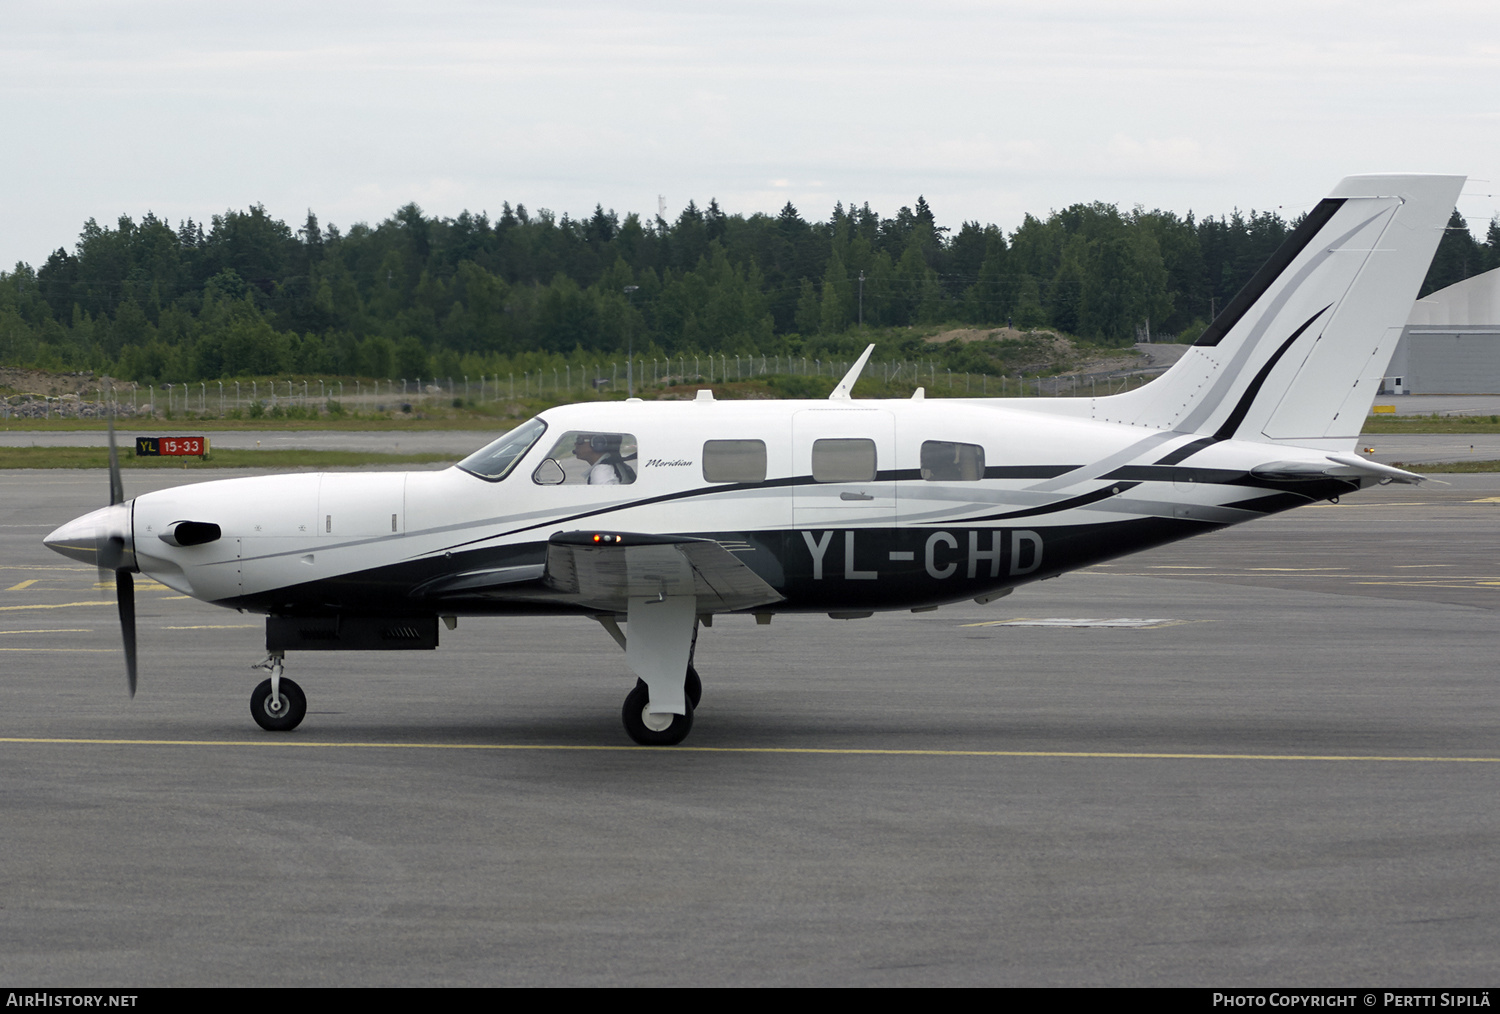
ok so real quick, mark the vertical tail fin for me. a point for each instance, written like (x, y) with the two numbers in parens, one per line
(1298, 354)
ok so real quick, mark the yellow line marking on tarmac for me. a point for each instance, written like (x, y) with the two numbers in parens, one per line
(1119, 623)
(23, 585)
(53, 630)
(1435, 581)
(22, 566)
(1295, 570)
(835, 751)
(216, 626)
(58, 605)
(100, 651)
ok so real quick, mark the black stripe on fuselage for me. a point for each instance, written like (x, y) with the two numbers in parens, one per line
(1186, 451)
(889, 568)
(1122, 479)
(888, 475)
(1082, 500)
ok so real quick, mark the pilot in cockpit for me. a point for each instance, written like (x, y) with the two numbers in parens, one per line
(601, 451)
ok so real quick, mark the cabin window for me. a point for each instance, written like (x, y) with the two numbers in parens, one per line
(589, 458)
(734, 461)
(494, 461)
(946, 461)
(843, 460)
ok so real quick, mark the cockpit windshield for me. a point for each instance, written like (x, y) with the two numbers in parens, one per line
(494, 461)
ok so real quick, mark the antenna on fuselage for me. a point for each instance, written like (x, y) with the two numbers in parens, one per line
(841, 392)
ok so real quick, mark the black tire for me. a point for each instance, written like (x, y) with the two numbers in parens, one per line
(634, 716)
(283, 718)
(693, 688)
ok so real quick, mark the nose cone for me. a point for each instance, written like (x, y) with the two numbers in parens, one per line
(102, 538)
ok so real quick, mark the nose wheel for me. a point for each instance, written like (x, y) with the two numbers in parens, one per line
(278, 712)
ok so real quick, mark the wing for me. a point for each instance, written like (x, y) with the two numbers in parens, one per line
(604, 570)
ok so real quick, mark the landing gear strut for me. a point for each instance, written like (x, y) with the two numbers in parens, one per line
(278, 704)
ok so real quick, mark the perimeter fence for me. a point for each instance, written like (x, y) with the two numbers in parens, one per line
(650, 377)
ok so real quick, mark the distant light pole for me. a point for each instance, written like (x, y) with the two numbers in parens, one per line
(630, 291)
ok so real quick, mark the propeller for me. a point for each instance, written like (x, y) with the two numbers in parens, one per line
(105, 539)
(125, 596)
(111, 555)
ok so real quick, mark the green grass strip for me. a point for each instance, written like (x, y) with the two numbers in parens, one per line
(1432, 424)
(1451, 466)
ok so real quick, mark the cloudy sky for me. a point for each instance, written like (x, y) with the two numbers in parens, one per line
(990, 109)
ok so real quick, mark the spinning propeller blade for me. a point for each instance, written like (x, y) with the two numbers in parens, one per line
(125, 595)
(124, 583)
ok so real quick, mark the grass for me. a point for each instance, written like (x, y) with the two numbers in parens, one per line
(1432, 424)
(1450, 466)
(98, 457)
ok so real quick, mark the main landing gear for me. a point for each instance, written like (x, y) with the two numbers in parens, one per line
(278, 704)
(649, 729)
(665, 639)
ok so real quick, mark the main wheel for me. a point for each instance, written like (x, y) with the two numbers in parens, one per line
(693, 687)
(278, 714)
(653, 730)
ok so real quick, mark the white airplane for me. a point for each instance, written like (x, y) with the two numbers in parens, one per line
(665, 514)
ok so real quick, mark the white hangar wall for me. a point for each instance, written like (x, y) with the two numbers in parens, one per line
(1451, 342)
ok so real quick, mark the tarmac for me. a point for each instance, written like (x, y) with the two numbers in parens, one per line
(1263, 757)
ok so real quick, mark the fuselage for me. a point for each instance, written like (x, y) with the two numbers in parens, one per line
(840, 506)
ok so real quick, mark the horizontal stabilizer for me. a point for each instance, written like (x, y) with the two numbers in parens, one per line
(1337, 466)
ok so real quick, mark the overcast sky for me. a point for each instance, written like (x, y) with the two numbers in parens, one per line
(991, 110)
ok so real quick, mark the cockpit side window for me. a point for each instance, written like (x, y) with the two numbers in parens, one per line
(494, 461)
(593, 458)
(946, 461)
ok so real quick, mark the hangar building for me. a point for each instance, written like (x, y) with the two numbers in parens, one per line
(1451, 342)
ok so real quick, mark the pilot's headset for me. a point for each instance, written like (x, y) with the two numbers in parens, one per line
(599, 443)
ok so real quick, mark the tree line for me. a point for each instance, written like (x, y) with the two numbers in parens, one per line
(414, 296)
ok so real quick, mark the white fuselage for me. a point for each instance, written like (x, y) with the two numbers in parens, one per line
(1053, 487)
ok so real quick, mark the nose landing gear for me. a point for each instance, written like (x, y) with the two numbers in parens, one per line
(277, 704)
